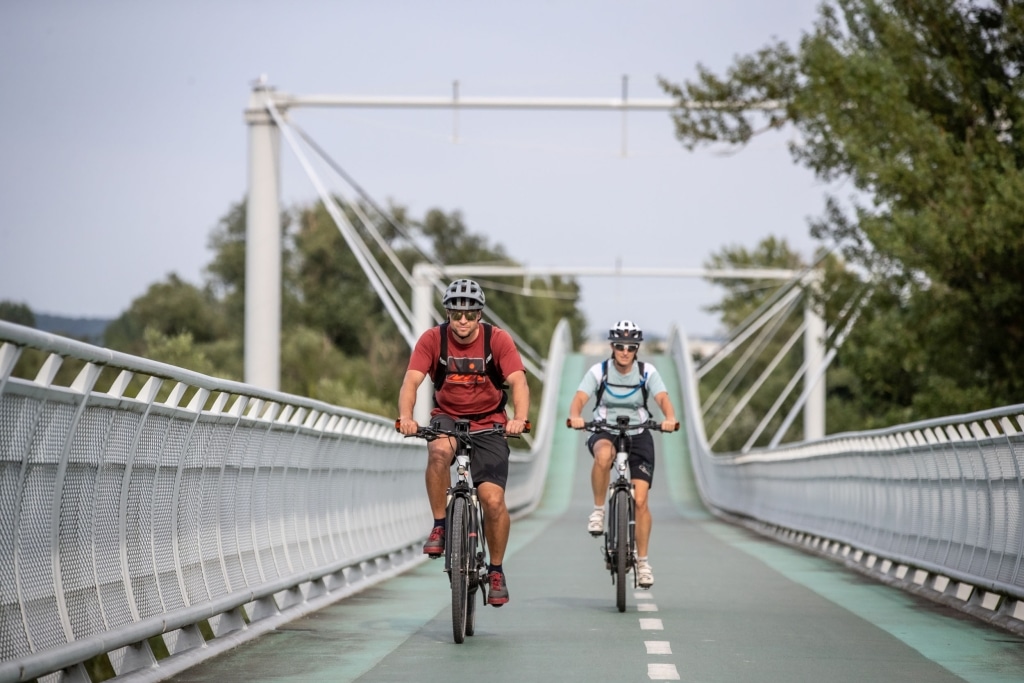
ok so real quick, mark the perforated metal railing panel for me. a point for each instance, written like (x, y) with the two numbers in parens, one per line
(943, 495)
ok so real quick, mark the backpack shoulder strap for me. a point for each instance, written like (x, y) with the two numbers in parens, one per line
(441, 367)
(602, 384)
(490, 367)
(643, 383)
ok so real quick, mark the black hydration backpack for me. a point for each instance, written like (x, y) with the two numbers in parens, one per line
(490, 369)
(605, 383)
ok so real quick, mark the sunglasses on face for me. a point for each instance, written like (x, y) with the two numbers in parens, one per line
(626, 347)
(468, 315)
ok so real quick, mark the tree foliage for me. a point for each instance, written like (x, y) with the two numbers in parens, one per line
(170, 308)
(18, 313)
(918, 106)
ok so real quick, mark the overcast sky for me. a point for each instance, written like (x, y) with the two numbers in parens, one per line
(123, 140)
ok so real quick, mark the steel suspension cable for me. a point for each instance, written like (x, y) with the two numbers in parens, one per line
(735, 375)
(348, 232)
(533, 360)
(836, 345)
(788, 389)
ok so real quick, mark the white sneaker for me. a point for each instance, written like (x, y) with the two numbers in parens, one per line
(644, 575)
(595, 524)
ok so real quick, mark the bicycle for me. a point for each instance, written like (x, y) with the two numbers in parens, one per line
(465, 548)
(620, 508)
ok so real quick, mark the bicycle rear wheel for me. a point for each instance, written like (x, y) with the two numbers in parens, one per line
(460, 564)
(622, 549)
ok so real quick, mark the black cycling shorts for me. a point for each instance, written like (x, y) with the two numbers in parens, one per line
(641, 454)
(489, 459)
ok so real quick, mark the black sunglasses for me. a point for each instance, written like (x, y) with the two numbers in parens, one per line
(468, 315)
(625, 347)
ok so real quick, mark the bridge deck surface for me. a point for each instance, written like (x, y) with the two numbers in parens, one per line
(727, 606)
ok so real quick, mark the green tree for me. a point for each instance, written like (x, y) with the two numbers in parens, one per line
(225, 274)
(18, 313)
(918, 106)
(170, 308)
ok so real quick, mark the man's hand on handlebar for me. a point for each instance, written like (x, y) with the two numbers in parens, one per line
(670, 426)
(406, 425)
(575, 422)
(516, 427)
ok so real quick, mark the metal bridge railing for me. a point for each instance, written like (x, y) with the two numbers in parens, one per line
(200, 512)
(942, 498)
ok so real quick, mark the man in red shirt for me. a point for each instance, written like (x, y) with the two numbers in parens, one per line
(469, 393)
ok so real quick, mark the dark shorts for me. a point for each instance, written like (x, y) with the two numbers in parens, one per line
(641, 454)
(489, 460)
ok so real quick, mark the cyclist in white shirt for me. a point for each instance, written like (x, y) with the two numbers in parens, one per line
(622, 385)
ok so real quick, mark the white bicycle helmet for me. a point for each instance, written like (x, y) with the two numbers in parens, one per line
(463, 295)
(625, 331)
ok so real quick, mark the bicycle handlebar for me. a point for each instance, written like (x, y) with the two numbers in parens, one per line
(614, 428)
(431, 433)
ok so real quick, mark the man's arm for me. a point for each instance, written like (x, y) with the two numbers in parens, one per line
(407, 401)
(520, 402)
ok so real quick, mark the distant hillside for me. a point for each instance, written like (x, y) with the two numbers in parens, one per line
(86, 329)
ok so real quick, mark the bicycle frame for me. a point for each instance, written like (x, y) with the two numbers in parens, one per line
(465, 554)
(620, 528)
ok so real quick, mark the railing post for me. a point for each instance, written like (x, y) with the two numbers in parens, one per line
(263, 245)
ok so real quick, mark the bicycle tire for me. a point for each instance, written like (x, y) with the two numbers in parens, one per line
(478, 575)
(460, 566)
(621, 547)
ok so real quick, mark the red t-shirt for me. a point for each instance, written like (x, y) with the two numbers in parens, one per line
(467, 393)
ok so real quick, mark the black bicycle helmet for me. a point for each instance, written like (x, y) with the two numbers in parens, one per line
(625, 331)
(463, 295)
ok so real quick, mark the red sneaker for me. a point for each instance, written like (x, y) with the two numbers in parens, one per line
(497, 593)
(435, 543)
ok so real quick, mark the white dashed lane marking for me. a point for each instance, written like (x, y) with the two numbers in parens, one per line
(656, 671)
(662, 672)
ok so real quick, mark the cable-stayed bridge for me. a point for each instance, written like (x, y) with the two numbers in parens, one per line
(160, 524)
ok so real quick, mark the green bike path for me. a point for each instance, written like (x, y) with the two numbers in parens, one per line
(727, 606)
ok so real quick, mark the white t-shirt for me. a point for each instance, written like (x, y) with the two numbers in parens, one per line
(625, 399)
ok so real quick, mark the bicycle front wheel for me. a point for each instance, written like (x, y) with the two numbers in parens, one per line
(460, 564)
(622, 548)
(477, 574)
